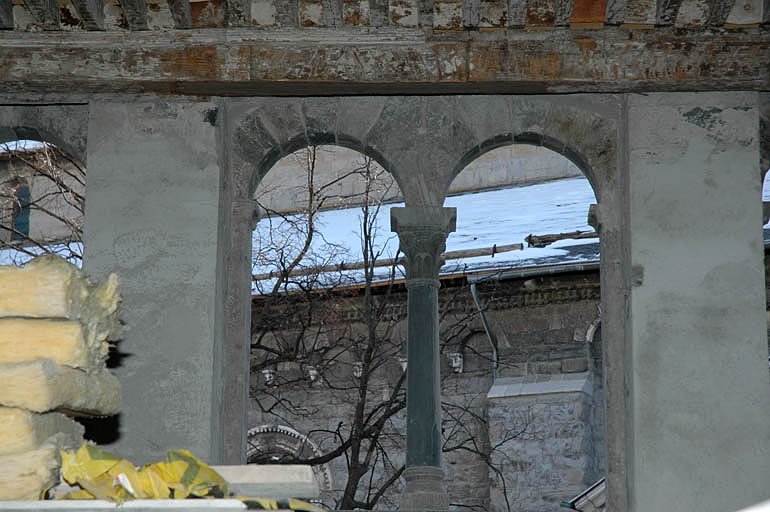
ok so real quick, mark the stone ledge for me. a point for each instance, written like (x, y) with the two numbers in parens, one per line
(134, 505)
(541, 385)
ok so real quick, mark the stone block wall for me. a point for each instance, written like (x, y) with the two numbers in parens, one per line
(551, 455)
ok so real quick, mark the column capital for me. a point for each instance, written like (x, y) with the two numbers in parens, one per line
(422, 233)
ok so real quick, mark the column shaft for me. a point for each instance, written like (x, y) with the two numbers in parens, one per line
(422, 233)
(423, 409)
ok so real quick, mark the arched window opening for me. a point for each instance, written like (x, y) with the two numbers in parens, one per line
(278, 444)
(531, 264)
(42, 200)
(324, 313)
(325, 209)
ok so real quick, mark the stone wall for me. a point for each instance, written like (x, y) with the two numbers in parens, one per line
(547, 439)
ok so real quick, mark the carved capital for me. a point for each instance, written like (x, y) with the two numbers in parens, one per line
(422, 234)
(246, 210)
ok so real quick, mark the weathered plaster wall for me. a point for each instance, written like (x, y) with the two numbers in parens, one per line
(698, 385)
(152, 216)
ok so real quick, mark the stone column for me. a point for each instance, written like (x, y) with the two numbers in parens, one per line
(422, 233)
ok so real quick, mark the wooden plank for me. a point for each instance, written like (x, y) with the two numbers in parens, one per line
(545, 240)
(135, 13)
(91, 13)
(389, 262)
(6, 14)
(45, 12)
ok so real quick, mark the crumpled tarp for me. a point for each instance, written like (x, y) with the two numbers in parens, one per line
(102, 475)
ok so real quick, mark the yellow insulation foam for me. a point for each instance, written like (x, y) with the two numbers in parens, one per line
(63, 341)
(24, 476)
(43, 386)
(50, 287)
(23, 431)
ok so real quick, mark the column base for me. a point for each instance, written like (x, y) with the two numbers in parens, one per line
(425, 490)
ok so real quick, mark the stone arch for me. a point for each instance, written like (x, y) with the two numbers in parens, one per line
(278, 439)
(64, 126)
(592, 329)
(276, 127)
(579, 133)
(17, 133)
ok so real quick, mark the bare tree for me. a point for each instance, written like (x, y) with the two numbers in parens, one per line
(328, 348)
(42, 200)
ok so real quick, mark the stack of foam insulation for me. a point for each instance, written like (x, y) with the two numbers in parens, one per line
(54, 328)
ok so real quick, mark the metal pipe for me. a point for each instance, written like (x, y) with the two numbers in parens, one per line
(490, 335)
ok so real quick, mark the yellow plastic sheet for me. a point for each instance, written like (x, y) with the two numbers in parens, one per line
(102, 475)
(107, 477)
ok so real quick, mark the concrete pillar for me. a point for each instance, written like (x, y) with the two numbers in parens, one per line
(698, 435)
(422, 234)
(154, 215)
(245, 215)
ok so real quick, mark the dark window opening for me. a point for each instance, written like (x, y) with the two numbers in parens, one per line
(20, 215)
